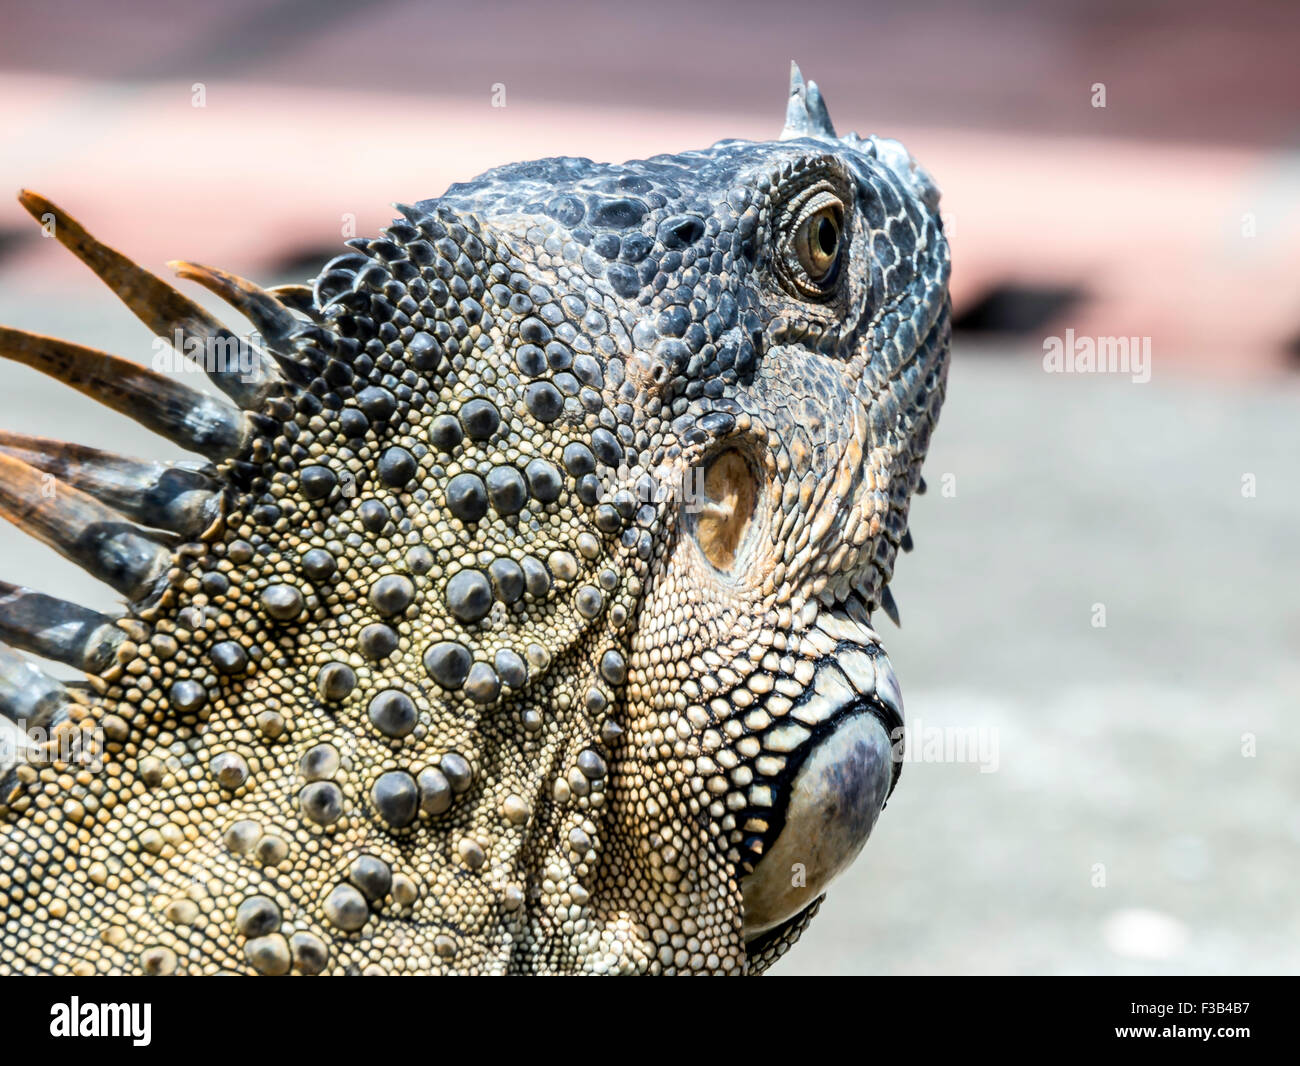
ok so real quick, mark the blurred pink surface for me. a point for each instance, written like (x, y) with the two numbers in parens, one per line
(320, 115)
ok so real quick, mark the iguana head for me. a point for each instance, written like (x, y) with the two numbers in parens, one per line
(521, 618)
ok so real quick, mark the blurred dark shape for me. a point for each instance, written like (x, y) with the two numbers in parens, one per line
(1017, 310)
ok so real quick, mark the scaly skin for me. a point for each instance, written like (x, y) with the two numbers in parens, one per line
(598, 431)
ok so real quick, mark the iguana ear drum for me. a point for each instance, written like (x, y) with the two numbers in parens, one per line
(725, 516)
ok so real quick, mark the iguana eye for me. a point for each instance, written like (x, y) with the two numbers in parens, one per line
(818, 244)
(808, 259)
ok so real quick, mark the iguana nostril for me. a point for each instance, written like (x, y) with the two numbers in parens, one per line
(727, 509)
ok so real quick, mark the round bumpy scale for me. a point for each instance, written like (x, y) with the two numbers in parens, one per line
(396, 798)
(448, 663)
(435, 791)
(469, 596)
(392, 594)
(372, 876)
(322, 802)
(393, 713)
(284, 603)
(346, 909)
(335, 681)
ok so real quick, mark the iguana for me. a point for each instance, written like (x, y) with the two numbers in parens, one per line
(518, 618)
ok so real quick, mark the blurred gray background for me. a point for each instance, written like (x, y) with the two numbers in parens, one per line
(1136, 805)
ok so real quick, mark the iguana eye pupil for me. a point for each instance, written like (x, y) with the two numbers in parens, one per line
(818, 245)
(828, 237)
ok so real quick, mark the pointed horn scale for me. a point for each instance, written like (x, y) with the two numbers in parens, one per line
(890, 606)
(171, 496)
(82, 529)
(183, 415)
(267, 313)
(55, 629)
(805, 114)
(162, 308)
(271, 317)
(298, 298)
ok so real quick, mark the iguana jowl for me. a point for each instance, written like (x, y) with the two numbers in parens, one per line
(519, 619)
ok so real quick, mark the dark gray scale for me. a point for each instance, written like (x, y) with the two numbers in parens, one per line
(544, 480)
(317, 482)
(392, 594)
(578, 459)
(378, 404)
(282, 602)
(590, 601)
(374, 515)
(530, 360)
(507, 580)
(396, 798)
(424, 351)
(608, 520)
(336, 681)
(448, 663)
(322, 802)
(393, 713)
(435, 791)
(606, 447)
(591, 765)
(458, 771)
(319, 565)
(588, 371)
(377, 641)
(558, 356)
(480, 419)
(482, 685)
(346, 908)
(589, 489)
(613, 668)
(257, 916)
(229, 657)
(187, 696)
(466, 497)
(420, 559)
(537, 579)
(535, 331)
(353, 423)
(506, 490)
(319, 762)
(511, 668)
(310, 954)
(445, 433)
(544, 401)
(372, 876)
(397, 467)
(215, 583)
(624, 503)
(469, 596)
